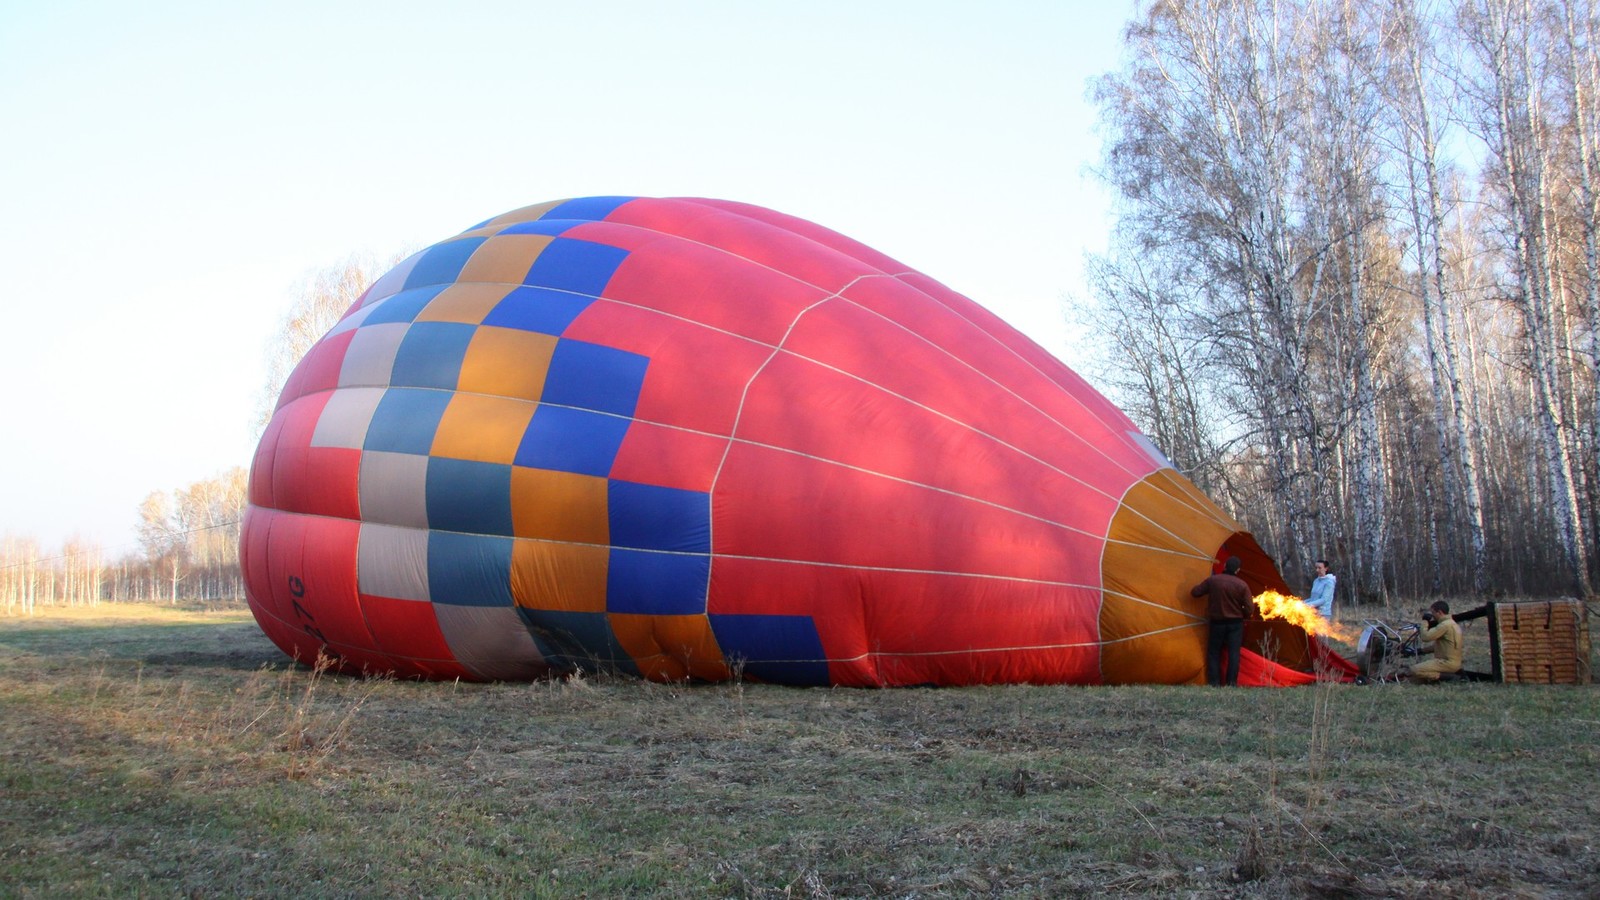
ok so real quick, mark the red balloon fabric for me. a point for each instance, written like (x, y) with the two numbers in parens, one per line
(697, 439)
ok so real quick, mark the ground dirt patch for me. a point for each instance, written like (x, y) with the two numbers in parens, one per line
(165, 753)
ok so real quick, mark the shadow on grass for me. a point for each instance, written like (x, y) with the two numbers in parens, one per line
(231, 645)
(244, 660)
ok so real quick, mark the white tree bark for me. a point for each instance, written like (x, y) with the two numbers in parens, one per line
(1504, 30)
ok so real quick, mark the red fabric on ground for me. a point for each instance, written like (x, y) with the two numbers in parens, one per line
(1256, 670)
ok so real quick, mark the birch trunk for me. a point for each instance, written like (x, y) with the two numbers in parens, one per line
(1457, 449)
(1517, 139)
(1583, 79)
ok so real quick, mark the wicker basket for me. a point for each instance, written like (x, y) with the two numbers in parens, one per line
(1542, 642)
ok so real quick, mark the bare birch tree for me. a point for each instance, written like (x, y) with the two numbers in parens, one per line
(1405, 65)
(320, 302)
(1228, 141)
(1155, 361)
(161, 536)
(1396, 349)
(1503, 35)
(207, 513)
(1582, 73)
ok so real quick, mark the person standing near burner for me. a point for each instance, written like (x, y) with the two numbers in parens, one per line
(1228, 603)
(1321, 598)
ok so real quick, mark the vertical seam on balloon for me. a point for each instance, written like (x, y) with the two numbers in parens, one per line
(840, 295)
(1100, 566)
(733, 430)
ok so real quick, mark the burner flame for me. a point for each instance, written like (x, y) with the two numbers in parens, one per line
(1295, 611)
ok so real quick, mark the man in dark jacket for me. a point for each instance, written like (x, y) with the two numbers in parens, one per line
(1228, 603)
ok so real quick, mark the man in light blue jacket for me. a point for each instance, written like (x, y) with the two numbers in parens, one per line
(1321, 598)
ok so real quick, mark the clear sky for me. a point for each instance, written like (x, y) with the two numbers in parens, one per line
(170, 172)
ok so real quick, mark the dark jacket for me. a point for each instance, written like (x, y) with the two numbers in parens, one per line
(1229, 597)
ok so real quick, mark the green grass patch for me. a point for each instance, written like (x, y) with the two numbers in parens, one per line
(162, 752)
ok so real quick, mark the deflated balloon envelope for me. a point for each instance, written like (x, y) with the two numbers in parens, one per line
(692, 438)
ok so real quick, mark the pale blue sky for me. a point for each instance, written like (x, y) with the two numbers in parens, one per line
(170, 171)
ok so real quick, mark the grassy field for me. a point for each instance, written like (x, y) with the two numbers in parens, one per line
(148, 751)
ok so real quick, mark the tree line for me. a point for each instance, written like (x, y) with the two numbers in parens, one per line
(188, 550)
(1353, 288)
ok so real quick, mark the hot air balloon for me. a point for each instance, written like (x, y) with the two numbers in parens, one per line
(698, 439)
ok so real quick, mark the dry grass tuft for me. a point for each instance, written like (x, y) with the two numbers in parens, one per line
(1250, 864)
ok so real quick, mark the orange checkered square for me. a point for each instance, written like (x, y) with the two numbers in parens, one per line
(507, 362)
(482, 429)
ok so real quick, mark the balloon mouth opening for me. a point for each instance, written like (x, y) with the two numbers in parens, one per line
(1259, 570)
